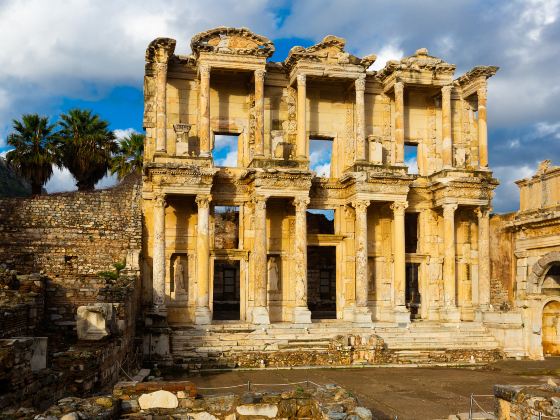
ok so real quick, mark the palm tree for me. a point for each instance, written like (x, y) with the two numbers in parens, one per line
(86, 146)
(129, 157)
(35, 150)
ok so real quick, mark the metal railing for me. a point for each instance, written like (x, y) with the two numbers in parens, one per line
(253, 386)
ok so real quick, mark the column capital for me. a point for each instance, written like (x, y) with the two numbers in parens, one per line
(159, 200)
(482, 211)
(449, 208)
(360, 82)
(203, 200)
(259, 74)
(301, 79)
(301, 203)
(399, 207)
(399, 88)
(204, 70)
(446, 90)
(481, 93)
(361, 205)
(259, 201)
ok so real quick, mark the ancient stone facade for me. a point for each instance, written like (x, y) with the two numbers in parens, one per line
(403, 244)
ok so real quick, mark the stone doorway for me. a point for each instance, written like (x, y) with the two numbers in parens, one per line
(321, 281)
(226, 296)
(412, 290)
(551, 329)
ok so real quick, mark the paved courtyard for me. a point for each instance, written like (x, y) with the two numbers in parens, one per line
(409, 393)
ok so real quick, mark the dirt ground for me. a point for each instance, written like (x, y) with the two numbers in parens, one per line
(402, 392)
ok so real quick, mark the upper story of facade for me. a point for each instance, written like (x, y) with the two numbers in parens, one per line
(227, 88)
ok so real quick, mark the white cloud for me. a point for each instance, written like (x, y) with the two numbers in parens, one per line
(122, 133)
(230, 160)
(107, 181)
(61, 180)
(322, 170)
(387, 53)
(412, 164)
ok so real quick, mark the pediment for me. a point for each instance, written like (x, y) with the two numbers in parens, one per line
(235, 41)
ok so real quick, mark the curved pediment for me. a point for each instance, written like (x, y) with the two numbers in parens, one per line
(236, 41)
(416, 63)
(329, 51)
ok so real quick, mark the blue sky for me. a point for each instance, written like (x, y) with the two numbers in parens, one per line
(61, 54)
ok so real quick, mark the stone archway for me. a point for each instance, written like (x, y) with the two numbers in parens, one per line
(539, 270)
(551, 328)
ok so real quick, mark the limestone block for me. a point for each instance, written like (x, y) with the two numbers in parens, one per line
(158, 399)
(376, 152)
(260, 410)
(96, 321)
(202, 416)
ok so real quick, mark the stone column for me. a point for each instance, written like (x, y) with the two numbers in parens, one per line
(447, 150)
(483, 214)
(362, 312)
(202, 310)
(302, 315)
(449, 274)
(259, 111)
(399, 272)
(360, 84)
(260, 309)
(158, 274)
(399, 123)
(161, 106)
(482, 128)
(301, 146)
(204, 110)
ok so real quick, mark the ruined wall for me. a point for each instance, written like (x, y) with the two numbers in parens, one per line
(501, 261)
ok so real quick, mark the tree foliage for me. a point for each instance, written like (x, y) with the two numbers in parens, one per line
(129, 156)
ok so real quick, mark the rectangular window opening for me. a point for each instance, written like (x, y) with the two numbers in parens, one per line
(411, 158)
(320, 156)
(411, 232)
(226, 227)
(225, 149)
(320, 221)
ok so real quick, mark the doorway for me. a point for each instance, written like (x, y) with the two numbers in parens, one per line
(412, 292)
(321, 281)
(226, 301)
(551, 329)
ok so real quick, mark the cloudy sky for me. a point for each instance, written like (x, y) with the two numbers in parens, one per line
(60, 54)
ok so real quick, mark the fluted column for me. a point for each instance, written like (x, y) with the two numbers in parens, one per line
(482, 128)
(449, 270)
(301, 146)
(362, 312)
(360, 84)
(204, 110)
(260, 309)
(399, 123)
(483, 214)
(202, 310)
(399, 268)
(302, 315)
(259, 111)
(447, 149)
(158, 274)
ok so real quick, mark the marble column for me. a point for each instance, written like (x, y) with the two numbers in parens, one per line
(451, 312)
(258, 256)
(302, 315)
(161, 106)
(483, 214)
(399, 123)
(158, 274)
(360, 84)
(301, 141)
(482, 128)
(447, 149)
(204, 110)
(399, 263)
(202, 310)
(362, 313)
(259, 112)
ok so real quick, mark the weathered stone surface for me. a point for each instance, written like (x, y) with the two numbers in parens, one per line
(260, 410)
(158, 399)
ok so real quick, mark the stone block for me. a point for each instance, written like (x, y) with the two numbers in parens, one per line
(158, 399)
(260, 410)
(96, 321)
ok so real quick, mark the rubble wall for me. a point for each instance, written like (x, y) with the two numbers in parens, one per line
(501, 261)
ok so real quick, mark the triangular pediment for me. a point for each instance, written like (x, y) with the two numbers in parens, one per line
(236, 41)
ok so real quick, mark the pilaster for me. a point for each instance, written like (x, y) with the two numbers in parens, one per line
(302, 315)
(399, 123)
(301, 146)
(204, 110)
(360, 85)
(202, 310)
(259, 112)
(447, 150)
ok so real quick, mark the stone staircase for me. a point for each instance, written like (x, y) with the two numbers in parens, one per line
(228, 345)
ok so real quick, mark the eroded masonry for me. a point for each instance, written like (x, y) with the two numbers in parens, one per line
(264, 240)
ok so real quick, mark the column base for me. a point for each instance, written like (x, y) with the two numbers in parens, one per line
(302, 315)
(348, 313)
(362, 315)
(451, 314)
(202, 316)
(467, 313)
(260, 315)
(401, 315)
